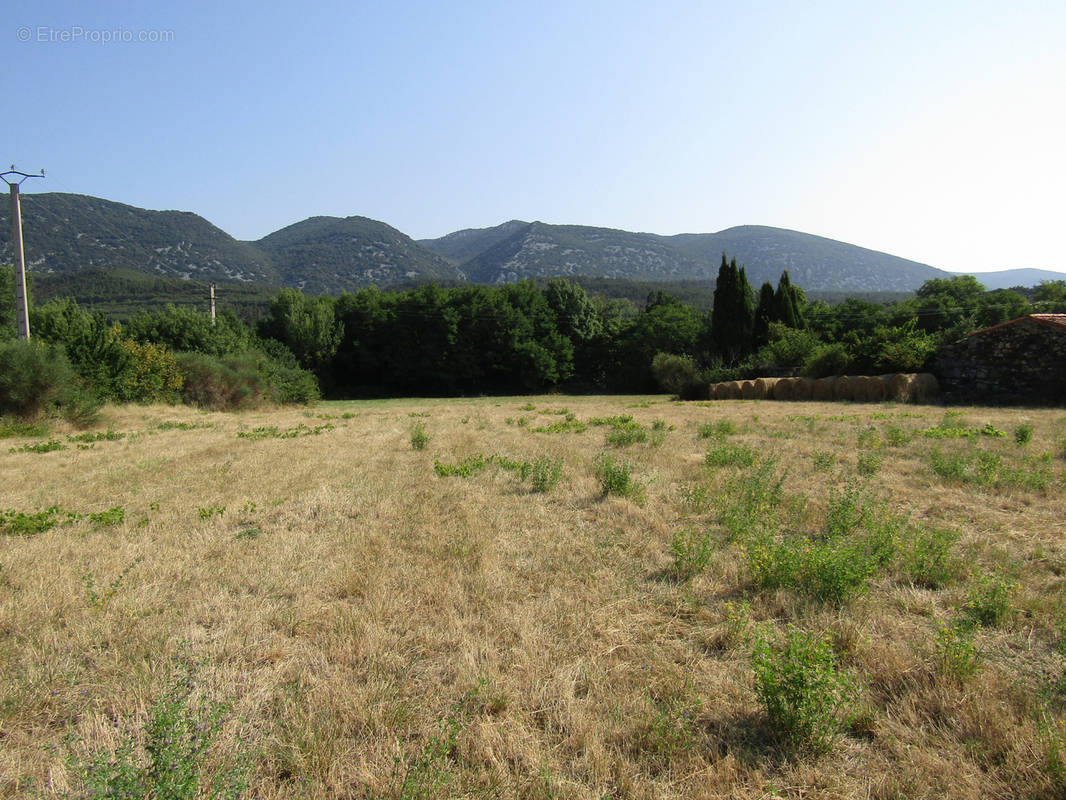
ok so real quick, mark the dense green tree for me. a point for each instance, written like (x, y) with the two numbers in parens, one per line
(306, 325)
(786, 301)
(734, 313)
(766, 312)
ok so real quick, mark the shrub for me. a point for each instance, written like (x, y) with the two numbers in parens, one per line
(37, 380)
(956, 653)
(1023, 434)
(419, 437)
(926, 560)
(675, 374)
(623, 435)
(990, 600)
(805, 696)
(614, 478)
(221, 384)
(545, 473)
(691, 550)
(729, 455)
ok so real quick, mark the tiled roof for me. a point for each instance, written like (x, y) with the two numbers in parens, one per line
(1055, 320)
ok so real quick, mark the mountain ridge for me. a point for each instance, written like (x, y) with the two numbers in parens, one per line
(322, 254)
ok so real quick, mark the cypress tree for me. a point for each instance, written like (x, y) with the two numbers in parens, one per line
(765, 313)
(734, 312)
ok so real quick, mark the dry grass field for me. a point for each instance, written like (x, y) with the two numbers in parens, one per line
(735, 599)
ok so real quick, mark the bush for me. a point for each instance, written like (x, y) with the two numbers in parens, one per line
(827, 359)
(222, 384)
(675, 374)
(419, 437)
(806, 697)
(545, 473)
(615, 478)
(37, 380)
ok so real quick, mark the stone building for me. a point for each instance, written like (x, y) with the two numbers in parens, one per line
(1018, 362)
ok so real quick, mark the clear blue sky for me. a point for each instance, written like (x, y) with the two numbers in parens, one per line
(931, 130)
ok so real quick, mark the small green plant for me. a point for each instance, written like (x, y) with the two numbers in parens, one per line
(113, 516)
(466, 468)
(1023, 434)
(249, 533)
(672, 725)
(990, 600)
(956, 653)
(419, 437)
(869, 464)
(169, 760)
(824, 460)
(751, 499)
(18, 523)
(98, 600)
(10, 427)
(206, 512)
(615, 478)
(428, 773)
(41, 447)
(696, 499)
(170, 425)
(726, 454)
(806, 697)
(97, 436)
(716, 430)
(623, 435)
(273, 432)
(567, 425)
(926, 559)
(897, 437)
(545, 473)
(691, 550)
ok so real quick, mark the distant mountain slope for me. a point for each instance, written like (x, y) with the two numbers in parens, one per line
(540, 250)
(463, 245)
(73, 232)
(813, 262)
(1008, 278)
(331, 254)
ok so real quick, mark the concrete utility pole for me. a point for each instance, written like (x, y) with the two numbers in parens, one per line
(212, 304)
(22, 306)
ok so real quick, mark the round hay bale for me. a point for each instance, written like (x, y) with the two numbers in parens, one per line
(783, 389)
(803, 389)
(730, 390)
(844, 388)
(925, 388)
(765, 388)
(898, 386)
(823, 389)
(748, 391)
(869, 389)
(718, 391)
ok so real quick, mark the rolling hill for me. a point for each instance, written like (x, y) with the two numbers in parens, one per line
(71, 233)
(328, 255)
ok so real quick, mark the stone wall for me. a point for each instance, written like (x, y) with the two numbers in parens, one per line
(1020, 362)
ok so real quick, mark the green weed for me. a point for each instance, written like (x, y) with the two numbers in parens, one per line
(41, 447)
(691, 550)
(206, 512)
(466, 468)
(806, 697)
(1023, 434)
(170, 759)
(824, 460)
(990, 600)
(615, 478)
(956, 653)
(13, 427)
(716, 430)
(419, 437)
(98, 600)
(727, 454)
(545, 473)
(926, 558)
(97, 436)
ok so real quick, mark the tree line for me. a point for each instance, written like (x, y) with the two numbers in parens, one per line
(511, 338)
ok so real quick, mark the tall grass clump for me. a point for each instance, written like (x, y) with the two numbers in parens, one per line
(807, 698)
(751, 499)
(419, 437)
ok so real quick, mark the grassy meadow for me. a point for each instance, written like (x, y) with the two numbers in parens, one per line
(536, 597)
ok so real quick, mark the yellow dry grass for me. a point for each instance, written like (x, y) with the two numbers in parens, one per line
(354, 607)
